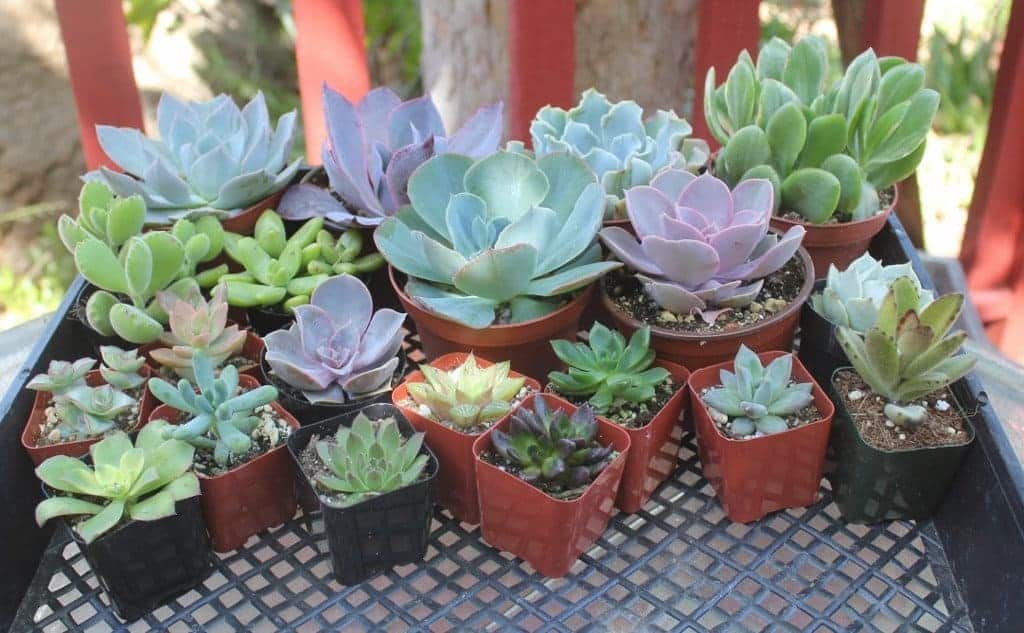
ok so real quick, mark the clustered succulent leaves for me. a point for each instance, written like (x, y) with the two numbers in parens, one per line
(614, 140)
(374, 146)
(203, 240)
(907, 354)
(338, 348)
(553, 450)
(369, 459)
(607, 369)
(141, 482)
(469, 395)
(699, 247)
(212, 158)
(504, 234)
(827, 151)
(120, 367)
(342, 256)
(851, 298)
(756, 398)
(195, 324)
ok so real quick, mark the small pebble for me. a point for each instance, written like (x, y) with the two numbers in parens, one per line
(53, 436)
(903, 436)
(689, 319)
(942, 405)
(855, 395)
(950, 430)
(718, 416)
(889, 424)
(755, 307)
(668, 316)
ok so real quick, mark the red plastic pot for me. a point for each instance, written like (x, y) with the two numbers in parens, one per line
(30, 434)
(252, 350)
(245, 222)
(525, 344)
(757, 476)
(548, 533)
(455, 488)
(251, 497)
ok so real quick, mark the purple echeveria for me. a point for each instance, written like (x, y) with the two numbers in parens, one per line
(701, 247)
(374, 146)
(338, 345)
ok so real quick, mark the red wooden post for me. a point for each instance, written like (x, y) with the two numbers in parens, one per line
(329, 46)
(724, 28)
(542, 60)
(100, 69)
(893, 27)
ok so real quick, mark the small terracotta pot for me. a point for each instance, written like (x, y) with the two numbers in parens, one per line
(30, 434)
(252, 350)
(456, 479)
(757, 476)
(623, 223)
(525, 344)
(548, 533)
(251, 497)
(245, 222)
(701, 350)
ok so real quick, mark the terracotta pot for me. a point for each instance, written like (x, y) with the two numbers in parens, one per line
(251, 497)
(30, 434)
(701, 350)
(757, 476)
(245, 222)
(548, 533)
(252, 350)
(456, 479)
(840, 243)
(525, 344)
(622, 223)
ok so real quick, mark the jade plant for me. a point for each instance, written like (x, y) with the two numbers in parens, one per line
(195, 324)
(120, 368)
(851, 298)
(829, 152)
(140, 483)
(212, 158)
(368, 460)
(505, 234)
(374, 146)
(203, 240)
(469, 395)
(756, 398)
(222, 419)
(552, 449)
(907, 354)
(616, 142)
(607, 369)
(338, 348)
(699, 247)
(343, 256)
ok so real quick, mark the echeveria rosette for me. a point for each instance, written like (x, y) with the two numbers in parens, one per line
(338, 345)
(373, 147)
(212, 158)
(616, 142)
(700, 248)
(503, 233)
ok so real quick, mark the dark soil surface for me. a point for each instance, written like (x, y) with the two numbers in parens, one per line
(204, 464)
(631, 415)
(885, 198)
(492, 457)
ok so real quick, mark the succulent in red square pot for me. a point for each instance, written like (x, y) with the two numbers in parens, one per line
(547, 476)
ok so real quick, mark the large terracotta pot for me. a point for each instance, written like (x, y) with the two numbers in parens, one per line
(525, 344)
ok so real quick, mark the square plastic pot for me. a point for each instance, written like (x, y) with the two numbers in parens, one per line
(548, 533)
(456, 477)
(379, 533)
(757, 476)
(820, 351)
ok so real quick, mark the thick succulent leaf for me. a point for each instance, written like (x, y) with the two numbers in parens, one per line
(480, 135)
(806, 68)
(304, 201)
(569, 279)
(747, 149)
(811, 192)
(576, 235)
(646, 207)
(672, 297)
(432, 185)
(414, 120)
(688, 262)
(826, 136)
(936, 354)
(474, 312)
(498, 274)
(168, 256)
(883, 356)
(99, 265)
(404, 249)
(940, 314)
(100, 523)
(786, 132)
(509, 183)
(523, 308)
(911, 132)
(63, 506)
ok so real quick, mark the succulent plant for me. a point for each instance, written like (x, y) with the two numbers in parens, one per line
(468, 395)
(141, 482)
(757, 398)
(370, 459)
(826, 151)
(907, 354)
(342, 256)
(374, 146)
(503, 233)
(62, 376)
(90, 411)
(222, 419)
(104, 216)
(196, 324)
(552, 449)
(614, 140)
(203, 241)
(851, 298)
(212, 158)
(120, 367)
(701, 247)
(338, 346)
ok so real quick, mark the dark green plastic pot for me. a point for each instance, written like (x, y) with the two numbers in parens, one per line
(871, 485)
(820, 351)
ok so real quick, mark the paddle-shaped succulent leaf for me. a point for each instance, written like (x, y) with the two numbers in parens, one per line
(139, 483)
(851, 298)
(700, 247)
(62, 376)
(343, 256)
(203, 241)
(84, 412)
(503, 233)
(196, 324)
(103, 216)
(468, 395)
(212, 158)
(120, 367)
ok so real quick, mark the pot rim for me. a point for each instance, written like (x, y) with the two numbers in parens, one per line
(879, 217)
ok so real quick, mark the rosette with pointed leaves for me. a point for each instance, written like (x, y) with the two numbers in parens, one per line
(120, 367)
(62, 376)
(701, 247)
(82, 411)
(196, 324)
(469, 395)
(851, 298)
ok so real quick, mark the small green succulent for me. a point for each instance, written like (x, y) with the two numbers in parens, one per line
(62, 376)
(203, 241)
(342, 256)
(469, 395)
(120, 367)
(82, 411)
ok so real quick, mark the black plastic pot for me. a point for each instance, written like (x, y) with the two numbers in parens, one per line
(871, 485)
(263, 321)
(77, 315)
(379, 533)
(820, 351)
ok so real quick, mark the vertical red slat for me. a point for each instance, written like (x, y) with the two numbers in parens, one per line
(542, 59)
(100, 69)
(329, 46)
(724, 28)
(893, 27)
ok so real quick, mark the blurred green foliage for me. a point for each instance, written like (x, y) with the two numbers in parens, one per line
(25, 294)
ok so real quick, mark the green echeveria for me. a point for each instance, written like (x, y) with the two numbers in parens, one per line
(851, 298)
(468, 395)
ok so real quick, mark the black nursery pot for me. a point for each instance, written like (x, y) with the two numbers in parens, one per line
(263, 321)
(77, 315)
(820, 351)
(379, 533)
(871, 485)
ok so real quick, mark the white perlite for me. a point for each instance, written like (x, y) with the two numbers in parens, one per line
(855, 395)
(942, 405)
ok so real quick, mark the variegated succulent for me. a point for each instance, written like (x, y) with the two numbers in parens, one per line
(196, 324)
(851, 298)
(82, 411)
(469, 395)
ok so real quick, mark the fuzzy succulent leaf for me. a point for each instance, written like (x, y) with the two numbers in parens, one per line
(469, 395)
(120, 368)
